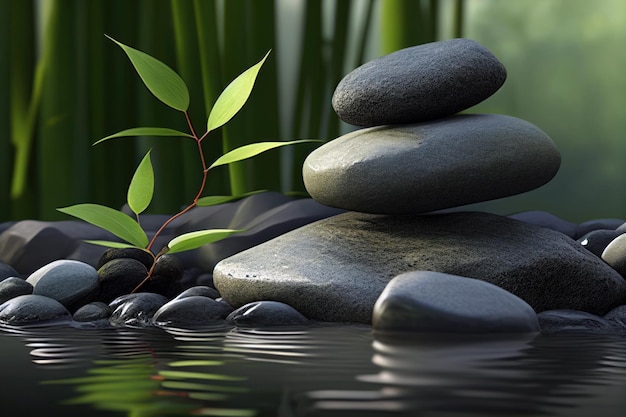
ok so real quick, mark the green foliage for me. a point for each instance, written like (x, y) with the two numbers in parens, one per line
(160, 79)
(168, 87)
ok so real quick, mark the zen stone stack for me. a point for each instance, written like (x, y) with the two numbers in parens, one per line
(421, 157)
(415, 156)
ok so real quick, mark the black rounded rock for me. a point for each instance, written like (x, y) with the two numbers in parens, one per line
(190, 312)
(119, 277)
(199, 290)
(596, 241)
(567, 321)
(140, 255)
(14, 287)
(33, 309)
(7, 271)
(135, 309)
(92, 312)
(267, 314)
(166, 276)
(419, 83)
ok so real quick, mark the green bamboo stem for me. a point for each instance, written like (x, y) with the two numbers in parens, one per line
(364, 34)
(403, 24)
(187, 47)
(262, 121)
(457, 18)
(209, 57)
(24, 91)
(57, 121)
(233, 63)
(307, 108)
(5, 108)
(338, 59)
(156, 37)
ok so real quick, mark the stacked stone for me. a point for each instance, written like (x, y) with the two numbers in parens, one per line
(390, 261)
(416, 156)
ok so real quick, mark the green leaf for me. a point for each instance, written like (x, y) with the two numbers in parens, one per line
(234, 96)
(161, 80)
(145, 131)
(110, 244)
(214, 200)
(114, 221)
(193, 240)
(253, 149)
(141, 186)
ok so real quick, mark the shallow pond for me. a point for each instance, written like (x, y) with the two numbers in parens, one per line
(319, 371)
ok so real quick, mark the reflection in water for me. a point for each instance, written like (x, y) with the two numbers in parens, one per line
(322, 371)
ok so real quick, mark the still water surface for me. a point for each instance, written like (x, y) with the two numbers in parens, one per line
(320, 371)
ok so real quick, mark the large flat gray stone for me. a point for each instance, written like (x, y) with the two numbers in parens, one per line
(430, 166)
(336, 268)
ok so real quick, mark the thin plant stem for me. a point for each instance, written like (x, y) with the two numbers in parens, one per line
(194, 203)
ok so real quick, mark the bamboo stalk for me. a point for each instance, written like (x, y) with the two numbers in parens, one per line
(337, 60)
(262, 121)
(307, 108)
(187, 47)
(5, 108)
(24, 92)
(115, 88)
(57, 121)
(209, 57)
(457, 18)
(233, 63)
(156, 37)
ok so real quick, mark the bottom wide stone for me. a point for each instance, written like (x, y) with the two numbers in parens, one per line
(335, 269)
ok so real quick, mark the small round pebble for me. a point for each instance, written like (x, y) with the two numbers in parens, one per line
(92, 312)
(33, 309)
(266, 314)
(7, 271)
(13, 287)
(72, 283)
(119, 277)
(615, 254)
(136, 309)
(562, 321)
(201, 290)
(596, 241)
(140, 255)
(190, 312)
(426, 301)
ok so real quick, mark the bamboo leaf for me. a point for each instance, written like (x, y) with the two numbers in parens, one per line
(234, 96)
(193, 240)
(214, 200)
(161, 80)
(145, 131)
(253, 149)
(141, 186)
(114, 221)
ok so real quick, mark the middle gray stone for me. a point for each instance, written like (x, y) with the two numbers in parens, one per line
(430, 166)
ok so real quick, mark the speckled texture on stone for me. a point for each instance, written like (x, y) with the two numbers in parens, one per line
(419, 83)
(431, 166)
(335, 269)
(426, 301)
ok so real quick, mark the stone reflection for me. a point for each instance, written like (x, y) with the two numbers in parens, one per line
(476, 376)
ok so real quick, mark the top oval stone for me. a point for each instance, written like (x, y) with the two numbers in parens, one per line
(419, 83)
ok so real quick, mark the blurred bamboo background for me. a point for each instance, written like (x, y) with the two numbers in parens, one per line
(65, 86)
